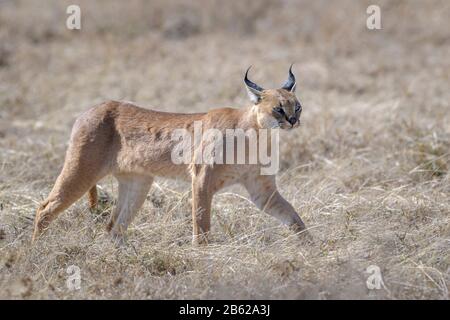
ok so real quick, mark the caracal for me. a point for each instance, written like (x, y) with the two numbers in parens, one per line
(135, 145)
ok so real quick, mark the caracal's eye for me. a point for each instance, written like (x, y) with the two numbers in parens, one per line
(278, 110)
(298, 108)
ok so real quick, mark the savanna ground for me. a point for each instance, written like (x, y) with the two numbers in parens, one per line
(368, 170)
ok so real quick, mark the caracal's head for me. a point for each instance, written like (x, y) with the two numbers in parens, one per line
(275, 108)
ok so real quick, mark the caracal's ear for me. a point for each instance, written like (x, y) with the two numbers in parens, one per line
(290, 83)
(254, 91)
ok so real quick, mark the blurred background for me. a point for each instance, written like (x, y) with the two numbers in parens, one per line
(368, 168)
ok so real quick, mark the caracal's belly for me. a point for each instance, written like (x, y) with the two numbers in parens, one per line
(150, 158)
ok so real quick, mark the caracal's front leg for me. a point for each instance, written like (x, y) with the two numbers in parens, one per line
(264, 194)
(201, 204)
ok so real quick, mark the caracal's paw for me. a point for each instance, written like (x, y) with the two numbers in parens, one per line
(119, 240)
(303, 234)
(200, 240)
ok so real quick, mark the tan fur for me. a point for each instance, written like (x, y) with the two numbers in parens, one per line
(134, 145)
(92, 197)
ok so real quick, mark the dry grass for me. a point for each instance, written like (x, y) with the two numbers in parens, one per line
(368, 170)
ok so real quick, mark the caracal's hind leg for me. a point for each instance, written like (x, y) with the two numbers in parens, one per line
(264, 194)
(72, 183)
(132, 192)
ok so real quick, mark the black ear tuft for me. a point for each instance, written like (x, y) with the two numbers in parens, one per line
(254, 91)
(289, 85)
(250, 84)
